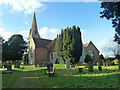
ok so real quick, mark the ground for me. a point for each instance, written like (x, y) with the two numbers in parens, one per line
(35, 77)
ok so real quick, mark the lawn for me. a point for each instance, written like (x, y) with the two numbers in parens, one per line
(35, 77)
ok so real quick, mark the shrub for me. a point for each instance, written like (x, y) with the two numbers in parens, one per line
(88, 59)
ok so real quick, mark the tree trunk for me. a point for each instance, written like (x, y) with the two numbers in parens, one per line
(119, 64)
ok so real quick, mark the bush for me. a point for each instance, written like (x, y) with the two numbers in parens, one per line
(88, 59)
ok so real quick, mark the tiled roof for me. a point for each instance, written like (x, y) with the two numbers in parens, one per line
(51, 46)
(85, 45)
(39, 42)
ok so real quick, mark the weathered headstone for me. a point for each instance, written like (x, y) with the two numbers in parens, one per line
(67, 64)
(90, 67)
(17, 64)
(99, 66)
(104, 63)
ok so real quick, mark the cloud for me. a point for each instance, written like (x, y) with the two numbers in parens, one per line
(44, 32)
(70, 0)
(48, 33)
(26, 22)
(6, 34)
(27, 6)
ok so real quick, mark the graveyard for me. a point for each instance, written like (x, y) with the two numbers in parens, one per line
(67, 49)
(29, 76)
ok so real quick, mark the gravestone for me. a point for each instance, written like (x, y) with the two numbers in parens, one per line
(67, 64)
(90, 67)
(99, 66)
(104, 63)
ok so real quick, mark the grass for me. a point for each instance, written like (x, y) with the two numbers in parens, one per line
(34, 77)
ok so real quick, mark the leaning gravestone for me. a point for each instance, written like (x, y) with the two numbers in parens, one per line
(67, 64)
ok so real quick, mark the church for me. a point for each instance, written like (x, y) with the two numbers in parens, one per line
(40, 49)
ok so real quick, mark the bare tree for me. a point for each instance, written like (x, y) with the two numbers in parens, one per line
(112, 48)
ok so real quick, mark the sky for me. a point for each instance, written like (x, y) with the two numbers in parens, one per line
(16, 18)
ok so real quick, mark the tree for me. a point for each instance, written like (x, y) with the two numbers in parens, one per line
(87, 59)
(69, 44)
(118, 57)
(112, 11)
(101, 56)
(14, 48)
(112, 48)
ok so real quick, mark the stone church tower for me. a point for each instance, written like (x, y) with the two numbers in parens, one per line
(37, 47)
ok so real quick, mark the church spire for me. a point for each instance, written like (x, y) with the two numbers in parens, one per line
(34, 30)
(34, 23)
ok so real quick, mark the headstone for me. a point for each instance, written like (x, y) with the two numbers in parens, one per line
(104, 63)
(67, 64)
(90, 66)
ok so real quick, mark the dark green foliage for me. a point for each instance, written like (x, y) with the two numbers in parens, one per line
(111, 10)
(14, 48)
(69, 44)
(88, 59)
(117, 56)
(101, 56)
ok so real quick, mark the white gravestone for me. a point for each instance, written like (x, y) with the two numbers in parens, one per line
(67, 64)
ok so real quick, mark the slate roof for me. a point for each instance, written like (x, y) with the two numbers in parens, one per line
(40, 42)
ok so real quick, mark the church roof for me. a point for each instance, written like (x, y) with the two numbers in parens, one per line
(51, 46)
(43, 43)
(87, 44)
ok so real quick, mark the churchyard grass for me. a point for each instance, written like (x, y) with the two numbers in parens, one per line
(35, 77)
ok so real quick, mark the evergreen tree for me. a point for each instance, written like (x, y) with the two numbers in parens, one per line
(69, 44)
